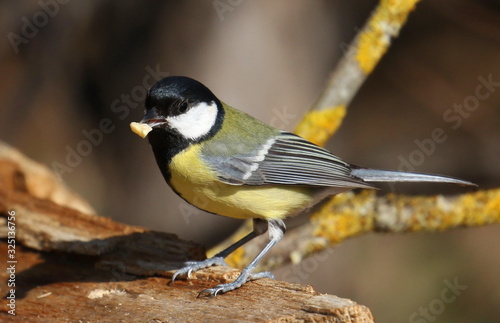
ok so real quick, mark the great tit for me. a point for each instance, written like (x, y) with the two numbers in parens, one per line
(226, 162)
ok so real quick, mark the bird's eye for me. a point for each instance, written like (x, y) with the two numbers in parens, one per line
(183, 107)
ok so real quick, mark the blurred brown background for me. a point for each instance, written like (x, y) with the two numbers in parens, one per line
(68, 65)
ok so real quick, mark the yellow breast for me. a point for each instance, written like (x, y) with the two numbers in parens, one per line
(198, 185)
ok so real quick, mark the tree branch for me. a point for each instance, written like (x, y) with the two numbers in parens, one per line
(349, 214)
(359, 60)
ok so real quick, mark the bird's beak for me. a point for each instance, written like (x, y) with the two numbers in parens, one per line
(150, 120)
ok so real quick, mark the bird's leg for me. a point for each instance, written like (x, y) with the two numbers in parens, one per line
(259, 227)
(276, 232)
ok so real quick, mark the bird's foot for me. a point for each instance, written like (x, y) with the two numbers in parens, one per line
(190, 266)
(244, 277)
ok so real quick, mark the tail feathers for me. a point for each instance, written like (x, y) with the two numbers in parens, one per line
(375, 175)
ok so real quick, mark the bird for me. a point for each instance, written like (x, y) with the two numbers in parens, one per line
(226, 162)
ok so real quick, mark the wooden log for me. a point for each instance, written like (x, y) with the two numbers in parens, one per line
(55, 287)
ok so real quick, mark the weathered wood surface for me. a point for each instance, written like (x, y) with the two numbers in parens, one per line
(78, 267)
(56, 287)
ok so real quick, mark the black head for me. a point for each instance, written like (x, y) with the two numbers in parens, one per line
(181, 111)
(183, 107)
(174, 95)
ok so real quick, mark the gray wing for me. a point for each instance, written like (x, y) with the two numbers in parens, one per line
(284, 159)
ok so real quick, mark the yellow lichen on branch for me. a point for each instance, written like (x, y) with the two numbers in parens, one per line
(350, 214)
(359, 60)
(375, 38)
(319, 126)
(344, 216)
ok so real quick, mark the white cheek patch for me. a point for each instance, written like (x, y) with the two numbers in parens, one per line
(196, 122)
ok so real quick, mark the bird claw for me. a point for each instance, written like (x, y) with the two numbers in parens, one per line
(221, 289)
(237, 283)
(210, 292)
(191, 266)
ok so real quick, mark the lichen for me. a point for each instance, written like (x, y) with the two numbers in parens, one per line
(384, 24)
(319, 126)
